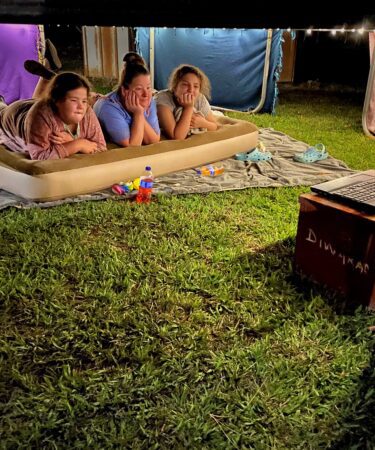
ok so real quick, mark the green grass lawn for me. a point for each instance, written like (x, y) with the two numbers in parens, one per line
(179, 324)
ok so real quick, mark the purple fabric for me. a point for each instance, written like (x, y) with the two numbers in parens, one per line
(18, 42)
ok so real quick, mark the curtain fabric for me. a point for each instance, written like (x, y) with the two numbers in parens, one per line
(232, 59)
(18, 43)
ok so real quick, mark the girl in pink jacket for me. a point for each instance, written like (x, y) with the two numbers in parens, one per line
(58, 125)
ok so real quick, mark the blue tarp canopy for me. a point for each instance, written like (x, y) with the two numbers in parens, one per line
(233, 60)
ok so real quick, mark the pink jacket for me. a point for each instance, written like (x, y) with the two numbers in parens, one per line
(26, 126)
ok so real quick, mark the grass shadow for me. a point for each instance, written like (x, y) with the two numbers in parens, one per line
(358, 413)
(339, 303)
(359, 424)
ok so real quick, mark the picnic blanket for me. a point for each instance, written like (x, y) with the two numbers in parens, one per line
(280, 171)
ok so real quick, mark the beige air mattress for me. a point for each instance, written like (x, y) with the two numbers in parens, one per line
(82, 174)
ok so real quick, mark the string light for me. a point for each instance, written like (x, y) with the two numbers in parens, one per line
(334, 31)
(360, 30)
(308, 31)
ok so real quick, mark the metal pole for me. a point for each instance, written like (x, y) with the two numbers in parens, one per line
(264, 82)
(369, 93)
(152, 56)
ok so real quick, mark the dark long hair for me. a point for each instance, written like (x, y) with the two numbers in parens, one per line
(61, 84)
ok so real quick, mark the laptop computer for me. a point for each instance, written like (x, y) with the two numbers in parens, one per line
(356, 190)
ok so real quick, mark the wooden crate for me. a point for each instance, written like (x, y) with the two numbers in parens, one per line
(335, 247)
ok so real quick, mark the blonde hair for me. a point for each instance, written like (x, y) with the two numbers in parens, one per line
(183, 69)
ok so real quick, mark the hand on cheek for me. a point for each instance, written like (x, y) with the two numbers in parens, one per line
(186, 100)
(132, 102)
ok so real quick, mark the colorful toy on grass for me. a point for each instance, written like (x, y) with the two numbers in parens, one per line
(136, 183)
(209, 170)
(126, 188)
(123, 188)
